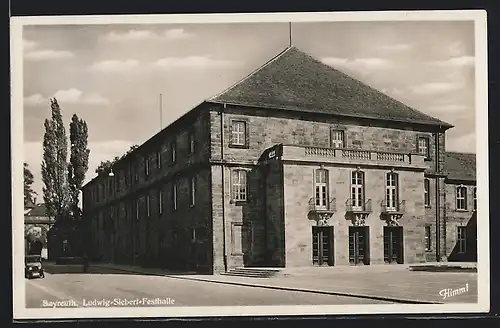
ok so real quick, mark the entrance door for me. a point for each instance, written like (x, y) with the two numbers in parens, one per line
(393, 245)
(322, 238)
(359, 245)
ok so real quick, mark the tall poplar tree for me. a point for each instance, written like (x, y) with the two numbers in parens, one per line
(29, 193)
(54, 165)
(78, 162)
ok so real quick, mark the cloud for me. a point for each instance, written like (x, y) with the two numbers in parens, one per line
(461, 61)
(69, 96)
(74, 96)
(397, 47)
(114, 65)
(194, 62)
(432, 88)
(465, 143)
(456, 49)
(41, 55)
(141, 35)
(35, 99)
(358, 63)
(28, 44)
(449, 108)
(394, 92)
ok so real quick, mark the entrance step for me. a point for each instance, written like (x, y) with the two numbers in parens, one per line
(253, 272)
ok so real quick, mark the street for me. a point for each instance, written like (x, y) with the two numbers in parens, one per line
(78, 289)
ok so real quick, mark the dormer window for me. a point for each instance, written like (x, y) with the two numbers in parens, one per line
(337, 139)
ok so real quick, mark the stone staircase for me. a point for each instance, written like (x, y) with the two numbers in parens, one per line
(253, 272)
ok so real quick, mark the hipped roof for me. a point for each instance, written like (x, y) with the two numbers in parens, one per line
(293, 80)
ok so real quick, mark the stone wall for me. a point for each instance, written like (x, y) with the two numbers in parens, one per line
(299, 186)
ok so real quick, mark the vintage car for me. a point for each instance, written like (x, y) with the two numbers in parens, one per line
(33, 267)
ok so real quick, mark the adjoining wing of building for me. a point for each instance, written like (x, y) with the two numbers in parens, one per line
(296, 165)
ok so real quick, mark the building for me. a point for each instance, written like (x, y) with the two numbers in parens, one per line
(36, 229)
(297, 164)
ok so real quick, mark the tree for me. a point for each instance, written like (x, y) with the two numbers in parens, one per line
(78, 162)
(54, 165)
(105, 166)
(29, 193)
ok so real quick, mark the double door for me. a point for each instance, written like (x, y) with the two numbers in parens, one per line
(322, 238)
(393, 245)
(359, 245)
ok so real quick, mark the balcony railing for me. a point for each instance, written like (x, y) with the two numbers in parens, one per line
(322, 205)
(356, 206)
(344, 154)
(393, 207)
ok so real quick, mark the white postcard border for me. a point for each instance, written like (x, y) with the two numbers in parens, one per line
(483, 305)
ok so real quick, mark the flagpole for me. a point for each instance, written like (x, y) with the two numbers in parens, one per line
(290, 34)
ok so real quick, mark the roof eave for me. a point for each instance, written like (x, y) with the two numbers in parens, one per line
(442, 125)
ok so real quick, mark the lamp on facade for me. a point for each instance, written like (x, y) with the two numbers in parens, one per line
(111, 174)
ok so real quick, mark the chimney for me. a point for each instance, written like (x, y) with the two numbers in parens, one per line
(34, 200)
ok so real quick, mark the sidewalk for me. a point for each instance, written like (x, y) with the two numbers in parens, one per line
(386, 283)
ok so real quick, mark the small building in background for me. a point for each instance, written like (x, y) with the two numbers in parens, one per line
(36, 229)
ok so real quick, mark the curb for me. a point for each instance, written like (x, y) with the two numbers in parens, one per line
(293, 289)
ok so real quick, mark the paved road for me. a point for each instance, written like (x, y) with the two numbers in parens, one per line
(83, 289)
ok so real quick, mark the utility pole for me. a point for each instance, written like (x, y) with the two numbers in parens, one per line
(161, 112)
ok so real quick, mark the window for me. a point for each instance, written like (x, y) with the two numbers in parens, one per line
(192, 190)
(337, 139)
(191, 141)
(146, 166)
(118, 177)
(391, 188)
(238, 133)
(461, 198)
(126, 179)
(137, 209)
(357, 189)
(427, 198)
(160, 202)
(321, 188)
(239, 184)
(475, 198)
(423, 147)
(462, 239)
(174, 196)
(148, 205)
(158, 159)
(428, 240)
(173, 151)
(136, 172)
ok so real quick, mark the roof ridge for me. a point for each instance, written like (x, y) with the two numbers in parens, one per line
(288, 48)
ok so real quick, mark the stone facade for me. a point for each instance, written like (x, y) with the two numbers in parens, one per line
(230, 185)
(271, 227)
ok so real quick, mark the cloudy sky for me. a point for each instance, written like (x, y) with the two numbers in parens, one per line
(112, 75)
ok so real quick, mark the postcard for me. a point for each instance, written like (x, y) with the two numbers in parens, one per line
(276, 164)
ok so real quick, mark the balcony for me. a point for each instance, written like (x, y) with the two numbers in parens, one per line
(396, 208)
(364, 207)
(321, 211)
(352, 156)
(391, 213)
